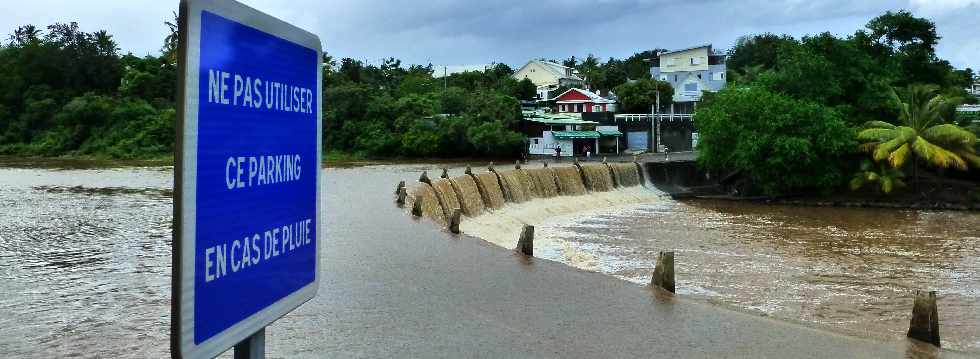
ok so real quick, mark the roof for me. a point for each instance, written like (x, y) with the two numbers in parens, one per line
(575, 134)
(591, 95)
(685, 49)
(541, 117)
(585, 134)
(554, 68)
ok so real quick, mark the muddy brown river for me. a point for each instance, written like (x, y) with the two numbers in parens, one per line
(86, 261)
(850, 269)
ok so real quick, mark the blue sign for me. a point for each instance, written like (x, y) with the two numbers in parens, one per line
(248, 174)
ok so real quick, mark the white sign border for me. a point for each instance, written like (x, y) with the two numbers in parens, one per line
(182, 316)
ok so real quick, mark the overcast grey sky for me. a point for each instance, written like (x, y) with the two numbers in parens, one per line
(457, 32)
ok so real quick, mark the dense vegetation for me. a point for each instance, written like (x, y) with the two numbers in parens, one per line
(65, 91)
(389, 110)
(824, 89)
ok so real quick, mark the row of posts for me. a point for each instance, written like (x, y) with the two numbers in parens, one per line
(923, 326)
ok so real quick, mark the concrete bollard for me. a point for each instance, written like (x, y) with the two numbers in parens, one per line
(400, 186)
(545, 164)
(924, 325)
(517, 165)
(424, 178)
(663, 274)
(490, 168)
(445, 173)
(402, 194)
(454, 220)
(417, 207)
(525, 244)
(468, 170)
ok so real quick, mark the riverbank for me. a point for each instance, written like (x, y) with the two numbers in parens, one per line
(682, 179)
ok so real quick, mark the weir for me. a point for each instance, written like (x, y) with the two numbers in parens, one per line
(598, 178)
(544, 182)
(569, 181)
(475, 194)
(426, 196)
(626, 174)
(469, 196)
(489, 185)
(517, 185)
(446, 195)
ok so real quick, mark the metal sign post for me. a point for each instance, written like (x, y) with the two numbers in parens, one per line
(246, 178)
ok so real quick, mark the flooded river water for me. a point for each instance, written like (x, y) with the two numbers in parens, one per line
(86, 265)
(851, 269)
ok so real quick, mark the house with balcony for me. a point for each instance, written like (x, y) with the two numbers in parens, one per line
(690, 72)
(578, 100)
(974, 89)
(548, 77)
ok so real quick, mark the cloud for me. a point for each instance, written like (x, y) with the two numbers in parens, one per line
(454, 32)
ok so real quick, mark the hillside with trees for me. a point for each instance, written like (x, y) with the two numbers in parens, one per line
(790, 117)
(65, 92)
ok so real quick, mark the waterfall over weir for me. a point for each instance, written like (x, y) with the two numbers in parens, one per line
(489, 185)
(476, 194)
(517, 186)
(446, 195)
(598, 177)
(627, 174)
(569, 181)
(468, 195)
(426, 196)
(544, 182)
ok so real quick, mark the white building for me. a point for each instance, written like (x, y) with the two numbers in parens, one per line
(572, 134)
(548, 76)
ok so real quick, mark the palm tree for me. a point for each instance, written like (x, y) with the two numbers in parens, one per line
(170, 42)
(924, 133)
(885, 177)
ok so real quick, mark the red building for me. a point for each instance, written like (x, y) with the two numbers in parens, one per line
(579, 100)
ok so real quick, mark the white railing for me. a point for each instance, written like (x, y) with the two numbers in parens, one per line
(648, 116)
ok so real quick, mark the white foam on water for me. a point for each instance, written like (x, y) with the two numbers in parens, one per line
(550, 216)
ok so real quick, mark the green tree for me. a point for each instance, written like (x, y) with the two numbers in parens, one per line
(640, 96)
(757, 50)
(884, 178)
(525, 90)
(779, 144)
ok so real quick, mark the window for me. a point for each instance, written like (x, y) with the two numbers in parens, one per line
(691, 86)
(695, 61)
(663, 77)
(596, 108)
(563, 108)
(535, 141)
(717, 76)
(578, 107)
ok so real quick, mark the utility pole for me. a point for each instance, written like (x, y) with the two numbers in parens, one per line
(654, 130)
